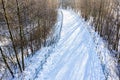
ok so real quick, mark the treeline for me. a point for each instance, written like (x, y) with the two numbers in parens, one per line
(28, 24)
(106, 18)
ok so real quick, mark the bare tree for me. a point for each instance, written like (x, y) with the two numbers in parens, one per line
(21, 33)
(7, 22)
(5, 61)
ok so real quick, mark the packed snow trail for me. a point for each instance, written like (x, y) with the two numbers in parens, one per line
(74, 57)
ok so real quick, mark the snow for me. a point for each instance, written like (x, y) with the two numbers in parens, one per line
(4, 41)
(108, 60)
(76, 56)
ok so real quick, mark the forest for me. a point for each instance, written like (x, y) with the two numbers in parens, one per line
(105, 14)
(25, 26)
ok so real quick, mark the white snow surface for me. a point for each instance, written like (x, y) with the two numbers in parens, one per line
(74, 57)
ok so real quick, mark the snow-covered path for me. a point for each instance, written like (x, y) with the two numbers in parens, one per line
(74, 57)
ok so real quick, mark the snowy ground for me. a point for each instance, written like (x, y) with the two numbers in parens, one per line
(75, 57)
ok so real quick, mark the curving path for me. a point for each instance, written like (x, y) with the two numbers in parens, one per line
(74, 57)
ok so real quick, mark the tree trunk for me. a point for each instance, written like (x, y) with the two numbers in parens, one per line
(5, 61)
(21, 33)
(13, 44)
